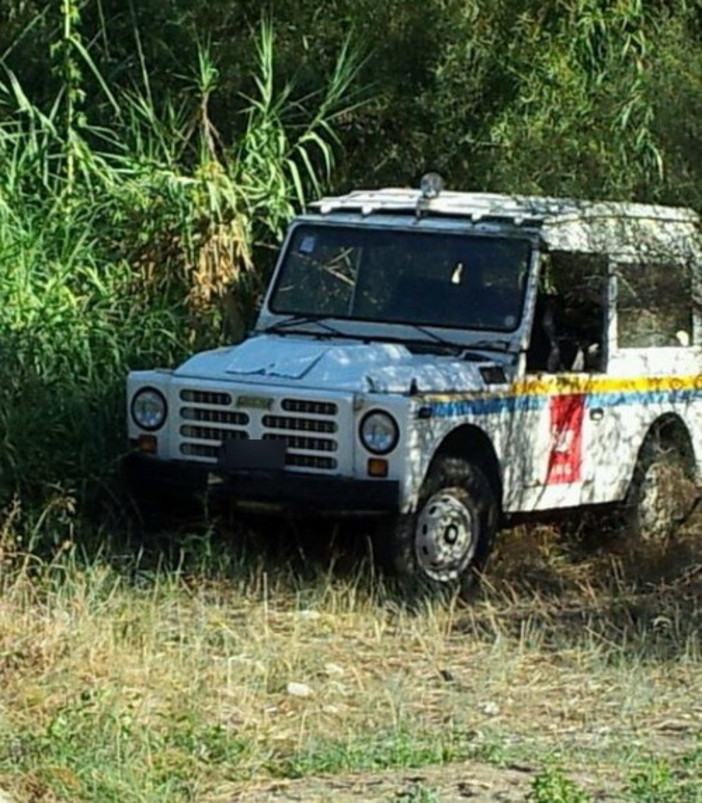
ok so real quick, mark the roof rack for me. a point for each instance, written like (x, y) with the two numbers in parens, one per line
(520, 210)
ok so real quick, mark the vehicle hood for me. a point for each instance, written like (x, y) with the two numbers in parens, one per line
(334, 365)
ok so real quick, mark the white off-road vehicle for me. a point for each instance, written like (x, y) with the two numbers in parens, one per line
(443, 361)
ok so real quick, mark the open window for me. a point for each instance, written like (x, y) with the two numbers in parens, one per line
(570, 321)
(654, 304)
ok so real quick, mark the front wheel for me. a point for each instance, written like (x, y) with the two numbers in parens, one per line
(443, 545)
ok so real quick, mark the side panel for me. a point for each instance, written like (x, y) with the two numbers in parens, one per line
(594, 438)
(565, 441)
(437, 417)
(679, 392)
(548, 458)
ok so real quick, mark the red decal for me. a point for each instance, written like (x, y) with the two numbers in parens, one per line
(565, 460)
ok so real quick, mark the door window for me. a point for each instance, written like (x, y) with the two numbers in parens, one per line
(654, 305)
(568, 333)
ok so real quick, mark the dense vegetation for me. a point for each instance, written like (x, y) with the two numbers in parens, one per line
(151, 153)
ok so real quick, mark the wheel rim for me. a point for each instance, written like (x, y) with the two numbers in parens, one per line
(444, 536)
(666, 497)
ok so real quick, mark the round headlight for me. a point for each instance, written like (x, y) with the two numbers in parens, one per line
(149, 409)
(379, 432)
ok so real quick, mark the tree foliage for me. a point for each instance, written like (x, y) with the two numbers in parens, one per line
(592, 97)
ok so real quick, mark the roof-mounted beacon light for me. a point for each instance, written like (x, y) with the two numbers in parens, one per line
(431, 185)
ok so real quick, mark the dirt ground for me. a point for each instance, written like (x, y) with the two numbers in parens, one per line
(478, 781)
(453, 783)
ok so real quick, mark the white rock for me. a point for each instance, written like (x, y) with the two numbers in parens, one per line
(309, 615)
(490, 708)
(334, 670)
(295, 690)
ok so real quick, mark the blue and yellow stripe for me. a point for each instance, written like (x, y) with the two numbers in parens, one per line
(534, 393)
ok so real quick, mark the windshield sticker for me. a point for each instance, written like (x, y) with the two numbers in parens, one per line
(307, 244)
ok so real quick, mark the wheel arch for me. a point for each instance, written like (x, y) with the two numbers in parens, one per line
(472, 443)
(669, 429)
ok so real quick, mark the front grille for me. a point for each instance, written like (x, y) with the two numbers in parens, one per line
(310, 461)
(214, 416)
(206, 397)
(309, 406)
(199, 450)
(213, 433)
(308, 427)
(298, 424)
(298, 442)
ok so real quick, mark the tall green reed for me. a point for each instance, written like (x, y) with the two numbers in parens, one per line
(120, 244)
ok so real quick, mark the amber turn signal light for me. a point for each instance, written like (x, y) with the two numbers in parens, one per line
(147, 444)
(377, 467)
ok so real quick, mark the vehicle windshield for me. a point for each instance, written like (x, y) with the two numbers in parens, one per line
(466, 281)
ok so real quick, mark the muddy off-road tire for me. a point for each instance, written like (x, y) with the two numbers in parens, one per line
(662, 494)
(442, 547)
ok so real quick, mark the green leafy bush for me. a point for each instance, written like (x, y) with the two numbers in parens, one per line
(131, 244)
(552, 786)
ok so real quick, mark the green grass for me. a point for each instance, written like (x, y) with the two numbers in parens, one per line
(102, 750)
(674, 779)
(552, 786)
(417, 793)
(400, 747)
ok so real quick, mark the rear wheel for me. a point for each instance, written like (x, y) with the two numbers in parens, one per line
(443, 546)
(663, 493)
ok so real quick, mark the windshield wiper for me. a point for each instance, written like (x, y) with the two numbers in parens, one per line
(467, 350)
(434, 337)
(284, 326)
(490, 345)
(433, 342)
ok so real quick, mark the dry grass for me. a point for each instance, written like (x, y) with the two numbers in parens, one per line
(135, 684)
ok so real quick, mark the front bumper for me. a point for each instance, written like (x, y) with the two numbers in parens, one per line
(271, 489)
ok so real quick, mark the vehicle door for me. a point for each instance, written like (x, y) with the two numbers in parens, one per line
(558, 442)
